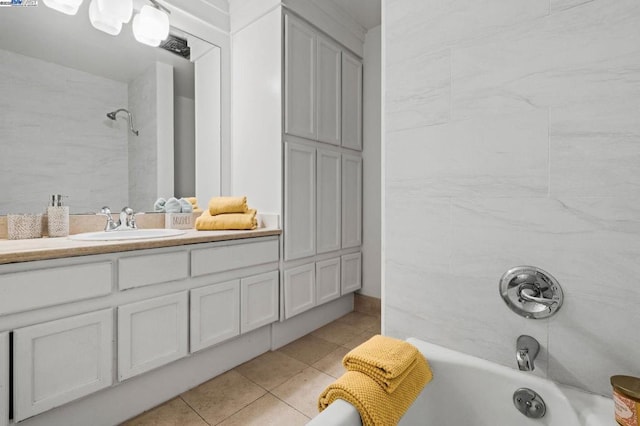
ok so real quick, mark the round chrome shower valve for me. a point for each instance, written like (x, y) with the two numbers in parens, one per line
(531, 292)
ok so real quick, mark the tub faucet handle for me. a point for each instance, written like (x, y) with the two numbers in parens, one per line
(527, 349)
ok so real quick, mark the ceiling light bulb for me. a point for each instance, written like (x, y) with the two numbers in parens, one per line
(103, 22)
(120, 10)
(151, 26)
(69, 7)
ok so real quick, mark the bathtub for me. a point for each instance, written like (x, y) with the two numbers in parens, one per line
(471, 391)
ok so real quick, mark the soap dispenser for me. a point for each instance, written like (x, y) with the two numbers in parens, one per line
(58, 217)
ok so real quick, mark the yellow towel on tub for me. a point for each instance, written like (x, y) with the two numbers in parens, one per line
(386, 360)
(222, 205)
(229, 221)
(376, 406)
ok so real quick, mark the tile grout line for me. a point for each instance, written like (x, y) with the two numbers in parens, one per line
(194, 410)
(285, 402)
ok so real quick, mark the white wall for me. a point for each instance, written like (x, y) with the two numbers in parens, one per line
(55, 137)
(513, 138)
(372, 111)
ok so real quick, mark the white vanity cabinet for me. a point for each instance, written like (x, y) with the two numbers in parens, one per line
(351, 102)
(328, 187)
(328, 90)
(214, 314)
(299, 289)
(152, 333)
(4, 379)
(351, 201)
(327, 280)
(351, 266)
(259, 300)
(58, 361)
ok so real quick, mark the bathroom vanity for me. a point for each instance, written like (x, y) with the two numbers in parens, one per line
(106, 330)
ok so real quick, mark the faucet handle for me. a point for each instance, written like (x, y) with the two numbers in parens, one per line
(110, 225)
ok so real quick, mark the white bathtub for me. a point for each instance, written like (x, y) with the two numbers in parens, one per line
(471, 391)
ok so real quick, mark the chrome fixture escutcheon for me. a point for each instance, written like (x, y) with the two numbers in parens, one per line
(531, 292)
(529, 403)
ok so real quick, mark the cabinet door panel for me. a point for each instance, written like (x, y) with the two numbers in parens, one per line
(299, 289)
(215, 314)
(300, 201)
(327, 280)
(328, 204)
(151, 333)
(351, 102)
(4, 379)
(59, 361)
(351, 201)
(259, 300)
(328, 91)
(351, 273)
(300, 76)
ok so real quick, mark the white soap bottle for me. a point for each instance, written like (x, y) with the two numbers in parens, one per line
(58, 217)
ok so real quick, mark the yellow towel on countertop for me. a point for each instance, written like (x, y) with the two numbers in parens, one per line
(221, 205)
(229, 221)
(386, 360)
(194, 204)
(376, 406)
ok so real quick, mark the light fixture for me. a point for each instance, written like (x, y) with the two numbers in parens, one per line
(69, 7)
(151, 25)
(108, 16)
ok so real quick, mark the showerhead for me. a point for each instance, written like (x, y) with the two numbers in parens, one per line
(112, 116)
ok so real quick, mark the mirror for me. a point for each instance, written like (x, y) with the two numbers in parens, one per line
(59, 78)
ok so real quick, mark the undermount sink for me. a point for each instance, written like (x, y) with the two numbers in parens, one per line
(130, 234)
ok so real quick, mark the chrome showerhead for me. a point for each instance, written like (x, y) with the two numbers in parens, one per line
(112, 116)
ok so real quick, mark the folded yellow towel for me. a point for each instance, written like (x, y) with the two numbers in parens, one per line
(377, 407)
(229, 221)
(194, 204)
(386, 360)
(220, 205)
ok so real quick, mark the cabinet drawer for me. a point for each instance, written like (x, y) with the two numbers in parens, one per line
(259, 301)
(327, 280)
(138, 271)
(299, 289)
(215, 314)
(23, 291)
(151, 333)
(218, 259)
(59, 361)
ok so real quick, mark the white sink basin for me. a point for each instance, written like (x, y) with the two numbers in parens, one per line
(132, 234)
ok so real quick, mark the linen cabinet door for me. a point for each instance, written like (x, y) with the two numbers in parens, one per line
(328, 91)
(327, 280)
(59, 361)
(351, 279)
(215, 314)
(299, 289)
(351, 102)
(299, 201)
(259, 300)
(151, 333)
(351, 201)
(4, 379)
(300, 79)
(328, 204)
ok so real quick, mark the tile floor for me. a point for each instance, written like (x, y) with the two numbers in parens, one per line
(277, 388)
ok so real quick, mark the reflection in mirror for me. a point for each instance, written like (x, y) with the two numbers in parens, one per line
(59, 78)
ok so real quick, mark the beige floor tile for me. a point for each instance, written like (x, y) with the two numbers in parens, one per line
(302, 390)
(331, 364)
(271, 369)
(222, 396)
(337, 332)
(361, 321)
(267, 411)
(308, 349)
(172, 413)
(359, 339)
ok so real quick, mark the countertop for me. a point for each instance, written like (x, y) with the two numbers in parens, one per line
(15, 251)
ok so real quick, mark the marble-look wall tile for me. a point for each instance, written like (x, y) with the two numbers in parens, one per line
(56, 138)
(419, 91)
(499, 156)
(536, 163)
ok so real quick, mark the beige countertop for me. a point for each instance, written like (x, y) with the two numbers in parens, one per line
(14, 251)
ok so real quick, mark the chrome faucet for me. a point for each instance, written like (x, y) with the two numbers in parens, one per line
(127, 219)
(527, 349)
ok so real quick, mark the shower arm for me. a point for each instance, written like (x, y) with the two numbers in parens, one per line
(112, 115)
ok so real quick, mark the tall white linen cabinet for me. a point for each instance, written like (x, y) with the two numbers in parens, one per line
(297, 142)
